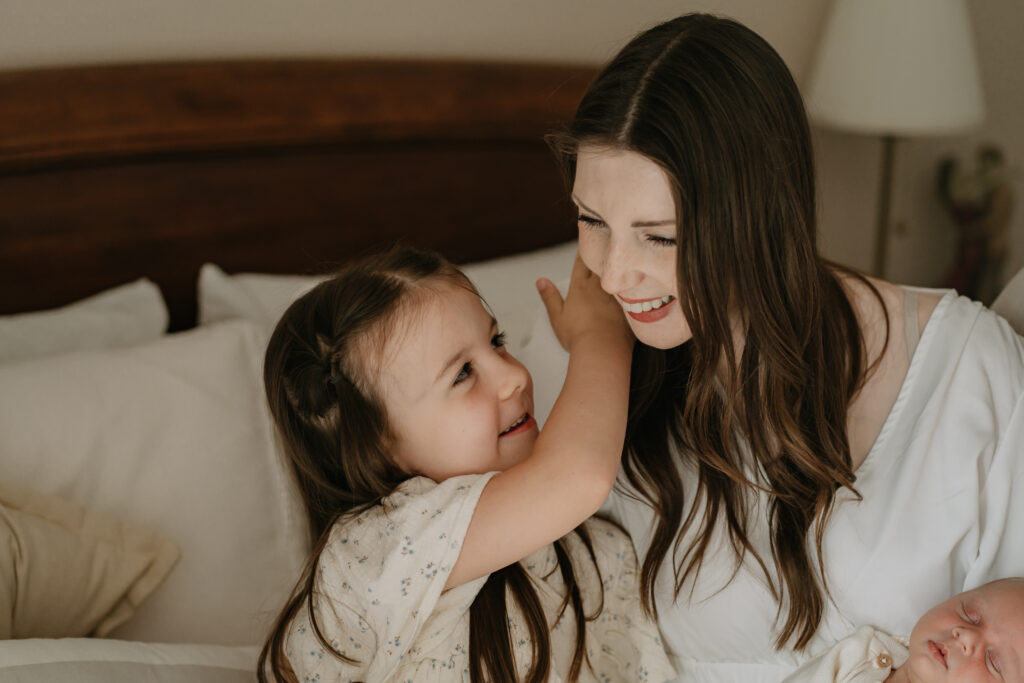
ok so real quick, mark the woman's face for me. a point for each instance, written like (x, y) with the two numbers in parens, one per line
(627, 226)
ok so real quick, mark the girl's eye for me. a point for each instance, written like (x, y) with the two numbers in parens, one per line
(662, 241)
(498, 340)
(465, 372)
(589, 221)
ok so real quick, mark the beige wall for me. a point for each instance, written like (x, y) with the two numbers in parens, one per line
(50, 32)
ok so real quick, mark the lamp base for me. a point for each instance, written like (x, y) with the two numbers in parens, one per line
(884, 200)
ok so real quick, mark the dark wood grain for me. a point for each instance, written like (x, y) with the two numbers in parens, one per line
(117, 172)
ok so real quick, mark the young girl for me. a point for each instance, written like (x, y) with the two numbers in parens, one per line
(438, 508)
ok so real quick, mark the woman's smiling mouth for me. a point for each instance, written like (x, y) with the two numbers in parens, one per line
(648, 310)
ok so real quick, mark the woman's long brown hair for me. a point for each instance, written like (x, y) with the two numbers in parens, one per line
(714, 105)
(336, 435)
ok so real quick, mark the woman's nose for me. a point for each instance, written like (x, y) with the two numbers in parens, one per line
(620, 272)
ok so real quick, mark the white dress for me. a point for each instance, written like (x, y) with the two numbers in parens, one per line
(379, 598)
(938, 514)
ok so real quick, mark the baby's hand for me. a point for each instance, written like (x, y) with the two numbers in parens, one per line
(586, 310)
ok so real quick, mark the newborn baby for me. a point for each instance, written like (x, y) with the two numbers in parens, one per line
(977, 635)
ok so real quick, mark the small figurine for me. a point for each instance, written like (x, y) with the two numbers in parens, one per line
(980, 200)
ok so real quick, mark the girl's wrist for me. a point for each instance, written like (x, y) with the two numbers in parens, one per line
(606, 342)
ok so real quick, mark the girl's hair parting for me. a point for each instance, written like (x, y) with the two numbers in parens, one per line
(713, 105)
(323, 395)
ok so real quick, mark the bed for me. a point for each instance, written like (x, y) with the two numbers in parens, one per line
(154, 221)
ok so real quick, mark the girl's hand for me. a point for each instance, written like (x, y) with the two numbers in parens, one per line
(586, 310)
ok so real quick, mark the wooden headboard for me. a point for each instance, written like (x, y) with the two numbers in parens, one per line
(110, 173)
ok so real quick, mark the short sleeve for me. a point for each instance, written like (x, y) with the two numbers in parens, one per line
(380, 578)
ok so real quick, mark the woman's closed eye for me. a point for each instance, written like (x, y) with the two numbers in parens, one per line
(661, 241)
(498, 340)
(592, 223)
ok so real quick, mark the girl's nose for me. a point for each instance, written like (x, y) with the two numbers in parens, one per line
(514, 378)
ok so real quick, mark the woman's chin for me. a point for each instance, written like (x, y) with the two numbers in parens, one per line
(665, 334)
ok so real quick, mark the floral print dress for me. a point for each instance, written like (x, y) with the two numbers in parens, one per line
(379, 598)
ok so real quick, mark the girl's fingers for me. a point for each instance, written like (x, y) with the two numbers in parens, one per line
(551, 297)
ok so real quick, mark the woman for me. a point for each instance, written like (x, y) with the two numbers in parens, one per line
(809, 450)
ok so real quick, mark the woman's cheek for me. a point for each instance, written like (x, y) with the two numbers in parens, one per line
(592, 248)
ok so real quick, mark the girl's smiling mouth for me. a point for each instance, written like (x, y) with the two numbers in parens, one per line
(524, 422)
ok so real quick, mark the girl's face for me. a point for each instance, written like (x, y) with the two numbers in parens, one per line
(975, 636)
(627, 225)
(458, 403)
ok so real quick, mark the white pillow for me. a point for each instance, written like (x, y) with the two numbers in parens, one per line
(96, 660)
(175, 436)
(121, 316)
(506, 284)
(258, 297)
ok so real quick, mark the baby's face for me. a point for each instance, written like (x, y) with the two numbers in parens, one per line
(975, 636)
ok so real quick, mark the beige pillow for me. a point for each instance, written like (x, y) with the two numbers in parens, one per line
(175, 436)
(66, 571)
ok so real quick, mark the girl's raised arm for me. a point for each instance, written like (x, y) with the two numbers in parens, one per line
(575, 459)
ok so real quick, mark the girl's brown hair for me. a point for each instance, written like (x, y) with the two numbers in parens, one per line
(336, 435)
(714, 105)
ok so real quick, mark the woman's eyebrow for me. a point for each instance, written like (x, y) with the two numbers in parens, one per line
(635, 224)
(584, 206)
(653, 224)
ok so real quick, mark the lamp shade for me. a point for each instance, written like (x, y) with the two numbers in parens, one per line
(896, 67)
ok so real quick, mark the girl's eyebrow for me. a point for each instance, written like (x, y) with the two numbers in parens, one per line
(456, 357)
(635, 224)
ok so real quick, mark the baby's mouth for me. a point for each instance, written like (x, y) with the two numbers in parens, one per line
(518, 423)
(938, 652)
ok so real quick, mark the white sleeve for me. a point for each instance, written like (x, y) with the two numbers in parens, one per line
(1001, 508)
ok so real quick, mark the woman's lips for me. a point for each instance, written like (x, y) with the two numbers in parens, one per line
(653, 315)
